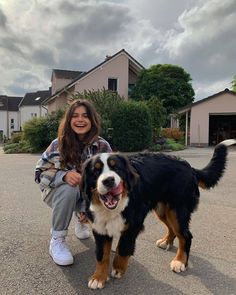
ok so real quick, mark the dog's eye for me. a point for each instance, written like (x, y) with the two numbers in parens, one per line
(112, 162)
(98, 166)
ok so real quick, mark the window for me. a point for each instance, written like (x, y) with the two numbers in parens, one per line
(130, 88)
(112, 84)
(12, 123)
(33, 115)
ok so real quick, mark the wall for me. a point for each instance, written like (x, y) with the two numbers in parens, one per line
(3, 122)
(199, 125)
(26, 111)
(116, 68)
(58, 83)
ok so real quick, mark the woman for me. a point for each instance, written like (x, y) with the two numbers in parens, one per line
(58, 173)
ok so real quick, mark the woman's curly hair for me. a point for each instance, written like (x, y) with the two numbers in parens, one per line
(70, 146)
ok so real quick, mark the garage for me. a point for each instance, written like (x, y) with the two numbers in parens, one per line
(210, 120)
(221, 127)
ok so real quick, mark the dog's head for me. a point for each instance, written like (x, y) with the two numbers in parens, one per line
(107, 178)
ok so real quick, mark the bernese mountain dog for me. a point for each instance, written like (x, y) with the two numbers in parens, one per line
(121, 190)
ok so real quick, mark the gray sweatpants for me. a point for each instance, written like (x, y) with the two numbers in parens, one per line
(64, 200)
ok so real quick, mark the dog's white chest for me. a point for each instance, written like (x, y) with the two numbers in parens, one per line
(109, 224)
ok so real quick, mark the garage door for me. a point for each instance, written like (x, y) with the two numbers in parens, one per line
(221, 127)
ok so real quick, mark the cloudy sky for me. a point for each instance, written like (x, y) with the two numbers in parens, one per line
(39, 35)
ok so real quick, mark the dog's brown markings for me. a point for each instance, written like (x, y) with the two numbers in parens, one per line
(167, 241)
(100, 276)
(95, 199)
(120, 265)
(168, 217)
(202, 185)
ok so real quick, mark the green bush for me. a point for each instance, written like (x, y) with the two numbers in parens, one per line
(131, 123)
(155, 147)
(39, 132)
(16, 137)
(16, 148)
(173, 145)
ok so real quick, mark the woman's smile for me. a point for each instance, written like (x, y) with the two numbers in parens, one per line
(80, 122)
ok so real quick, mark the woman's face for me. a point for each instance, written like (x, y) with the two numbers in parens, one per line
(80, 123)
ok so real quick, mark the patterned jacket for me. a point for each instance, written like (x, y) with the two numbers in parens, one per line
(48, 173)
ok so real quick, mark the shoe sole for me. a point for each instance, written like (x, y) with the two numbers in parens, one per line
(59, 262)
(83, 238)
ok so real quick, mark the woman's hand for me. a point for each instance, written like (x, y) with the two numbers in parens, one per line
(72, 178)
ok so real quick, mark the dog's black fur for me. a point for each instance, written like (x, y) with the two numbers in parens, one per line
(151, 181)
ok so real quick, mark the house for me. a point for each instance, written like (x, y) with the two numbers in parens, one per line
(210, 120)
(31, 106)
(117, 73)
(9, 115)
(61, 78)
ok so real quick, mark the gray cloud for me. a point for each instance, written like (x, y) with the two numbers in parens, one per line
(37, 36)
(43, 56)
(3, 19)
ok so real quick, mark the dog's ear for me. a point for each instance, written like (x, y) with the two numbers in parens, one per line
(132, 176)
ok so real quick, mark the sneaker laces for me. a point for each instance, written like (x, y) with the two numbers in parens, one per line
(61, 243)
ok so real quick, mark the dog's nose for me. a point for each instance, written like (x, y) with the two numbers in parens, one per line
(109, 181)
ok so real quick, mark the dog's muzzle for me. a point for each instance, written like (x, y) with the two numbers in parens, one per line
(112, 197)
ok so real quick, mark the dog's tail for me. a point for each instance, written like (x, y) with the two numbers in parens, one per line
(209, 176)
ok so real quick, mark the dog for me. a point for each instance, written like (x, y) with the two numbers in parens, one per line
(121, 190)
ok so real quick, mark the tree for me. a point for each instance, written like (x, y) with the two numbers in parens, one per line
(170, 83)
(158, 115)
(234, 83)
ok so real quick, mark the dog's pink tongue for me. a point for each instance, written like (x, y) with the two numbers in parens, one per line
(116, 191)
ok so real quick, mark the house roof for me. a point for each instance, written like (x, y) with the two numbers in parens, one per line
(66, 74)
(34, 98)
(9, 103)
(191, 105)
(134, 62)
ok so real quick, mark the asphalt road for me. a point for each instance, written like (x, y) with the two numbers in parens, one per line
(26, 267)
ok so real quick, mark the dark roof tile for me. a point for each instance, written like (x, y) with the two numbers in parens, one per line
(35, 98)
(9, 103)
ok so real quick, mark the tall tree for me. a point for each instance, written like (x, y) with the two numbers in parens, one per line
(170, 83)
(234, 83)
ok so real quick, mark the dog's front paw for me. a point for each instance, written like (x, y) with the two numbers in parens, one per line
(177, 266)
(164, 244)
(97, 283)
(116, 273)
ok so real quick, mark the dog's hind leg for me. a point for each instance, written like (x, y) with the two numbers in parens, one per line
(179, 222)
(167, 241)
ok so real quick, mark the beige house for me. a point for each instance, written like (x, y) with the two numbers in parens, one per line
(117, 73)
(211, 119)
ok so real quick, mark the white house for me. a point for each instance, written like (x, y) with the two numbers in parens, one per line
(31, 106)
(9, 115)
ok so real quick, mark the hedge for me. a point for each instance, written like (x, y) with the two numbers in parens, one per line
(131, 124)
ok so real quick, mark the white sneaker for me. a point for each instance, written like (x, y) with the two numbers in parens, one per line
(60, 252)
(81, 230)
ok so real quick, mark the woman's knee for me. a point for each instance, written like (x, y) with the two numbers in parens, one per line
(66, 193)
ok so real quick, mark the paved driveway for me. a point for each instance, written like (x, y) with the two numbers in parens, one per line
(26, 268)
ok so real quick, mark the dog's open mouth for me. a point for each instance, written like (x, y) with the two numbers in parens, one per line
(112, 197)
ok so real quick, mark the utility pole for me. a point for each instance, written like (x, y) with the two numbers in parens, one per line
(8, 135)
